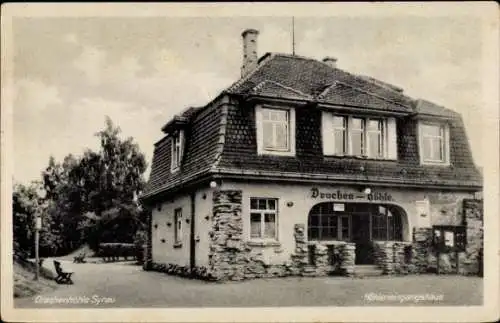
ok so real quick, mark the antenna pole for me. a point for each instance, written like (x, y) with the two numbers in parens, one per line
(293, 35)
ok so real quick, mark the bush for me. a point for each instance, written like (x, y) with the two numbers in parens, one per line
(113, 251)
(139, 242)
(184, 271)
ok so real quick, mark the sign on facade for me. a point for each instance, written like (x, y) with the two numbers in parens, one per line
(341, 195)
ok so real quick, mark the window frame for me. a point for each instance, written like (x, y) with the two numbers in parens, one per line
(337, 217)
(348, 130)
(445, 142)
(178, 226)
(262, 213)
(345, 134)
(291, 134)
(177, 150)
(381, 126)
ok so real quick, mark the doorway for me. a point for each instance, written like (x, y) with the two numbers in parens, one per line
(361, 236)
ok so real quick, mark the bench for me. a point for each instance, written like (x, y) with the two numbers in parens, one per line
(80, 259)
(62, 276)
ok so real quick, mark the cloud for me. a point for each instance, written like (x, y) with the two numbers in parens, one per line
(170, 87)
(70, 39)
(35, 95)
(91, 63)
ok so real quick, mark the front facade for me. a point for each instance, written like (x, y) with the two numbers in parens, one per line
(301, 168)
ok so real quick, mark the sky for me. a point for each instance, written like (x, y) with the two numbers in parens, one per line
(69, 73)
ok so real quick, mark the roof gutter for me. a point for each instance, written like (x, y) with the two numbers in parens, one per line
(332, 179)
(365, 110)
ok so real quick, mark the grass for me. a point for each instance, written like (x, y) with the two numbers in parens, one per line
(24, 283)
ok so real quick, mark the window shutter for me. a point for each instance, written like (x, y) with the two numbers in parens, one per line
(392, 141)
(181, 148)
(447, 143)
(258, 128)
(327, 133)
(172, 148)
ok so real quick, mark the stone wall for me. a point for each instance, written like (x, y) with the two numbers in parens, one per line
(421, 249)
(226, 254)
(426, 259)
(473, 219)
(394, 257)
(300, 259)
(348, 259)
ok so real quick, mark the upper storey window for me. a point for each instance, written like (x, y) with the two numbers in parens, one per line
(434, 143)
(359, 136)
(177, 142)
(275, 130)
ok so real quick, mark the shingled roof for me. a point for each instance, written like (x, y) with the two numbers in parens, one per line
(312, 78)
(221, 139)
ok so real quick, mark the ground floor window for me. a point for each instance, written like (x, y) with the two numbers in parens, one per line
(326, 224)
(263, 218)
(178, 225)
(354, 221)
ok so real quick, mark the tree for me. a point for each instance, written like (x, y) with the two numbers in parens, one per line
(91, 198)
(114, 180)
(27, 203)
(24, 205)
(63, 203)
(97, 184)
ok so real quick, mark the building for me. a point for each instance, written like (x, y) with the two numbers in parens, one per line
(302, 168)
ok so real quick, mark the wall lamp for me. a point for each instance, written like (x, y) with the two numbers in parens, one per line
(366, 190)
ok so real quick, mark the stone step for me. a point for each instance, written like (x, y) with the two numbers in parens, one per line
(367, 271)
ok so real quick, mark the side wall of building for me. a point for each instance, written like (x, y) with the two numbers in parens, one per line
(164, 248)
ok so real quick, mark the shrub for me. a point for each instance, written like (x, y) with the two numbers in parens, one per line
(113, 251)
(184, 271)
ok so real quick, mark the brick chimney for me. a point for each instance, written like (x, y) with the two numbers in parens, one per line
(330, 61)
(249, 51)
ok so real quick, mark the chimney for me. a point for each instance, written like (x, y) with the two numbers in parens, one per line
(330, 61)
(249, 51)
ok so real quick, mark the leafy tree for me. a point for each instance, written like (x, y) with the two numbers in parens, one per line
(27, 204)
(94, 197)
(24, 205)
(119, 174)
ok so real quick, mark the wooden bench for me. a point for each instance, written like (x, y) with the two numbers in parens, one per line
(80, 259)
(62, 276)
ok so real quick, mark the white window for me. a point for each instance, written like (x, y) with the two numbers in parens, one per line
(375, 138)
(178, 226)
(263, 218)
(359, 136)
(340, 135)
(434, 143)
(275, 131)
(177, 150)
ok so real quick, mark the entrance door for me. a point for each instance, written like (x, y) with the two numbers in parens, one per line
(361, 237)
